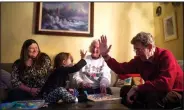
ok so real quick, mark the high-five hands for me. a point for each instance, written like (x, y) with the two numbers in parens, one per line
(104, 49)
(82, 54)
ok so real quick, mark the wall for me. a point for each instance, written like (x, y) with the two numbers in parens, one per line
(135, 17)
(175, 46)
(119, 21)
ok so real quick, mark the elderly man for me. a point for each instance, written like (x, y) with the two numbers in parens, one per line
(95, 77)
(163, 87)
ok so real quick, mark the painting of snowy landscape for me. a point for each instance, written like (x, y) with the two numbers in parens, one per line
(66, 17)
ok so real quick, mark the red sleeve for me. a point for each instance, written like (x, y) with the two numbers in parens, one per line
(120, 68)
(165, 81)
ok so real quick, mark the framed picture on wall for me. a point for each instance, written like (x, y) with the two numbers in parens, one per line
(65, 18)
(170, 27)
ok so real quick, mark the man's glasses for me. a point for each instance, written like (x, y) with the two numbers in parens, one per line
(138, 49)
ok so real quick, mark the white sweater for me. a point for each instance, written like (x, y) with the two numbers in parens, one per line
(96, 72)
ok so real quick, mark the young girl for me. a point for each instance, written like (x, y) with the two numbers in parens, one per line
(54, 90)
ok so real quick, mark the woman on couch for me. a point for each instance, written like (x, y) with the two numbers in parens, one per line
(29, 72)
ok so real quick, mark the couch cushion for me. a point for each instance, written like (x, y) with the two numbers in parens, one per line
(5, 79)
(137, 80)
(121, 82)
(115, 91)
(7, 66)
(128, 79)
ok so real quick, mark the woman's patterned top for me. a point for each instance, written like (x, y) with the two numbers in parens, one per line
(31, 76)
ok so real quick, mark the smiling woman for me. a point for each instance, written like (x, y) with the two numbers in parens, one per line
(29, 72)
(33, 50)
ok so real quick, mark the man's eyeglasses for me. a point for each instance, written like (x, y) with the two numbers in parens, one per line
(138, 49)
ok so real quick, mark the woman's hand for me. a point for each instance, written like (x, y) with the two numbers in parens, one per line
(83, 54)
(34, 91)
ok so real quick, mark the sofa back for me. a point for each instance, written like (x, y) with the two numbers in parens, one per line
(6, 66)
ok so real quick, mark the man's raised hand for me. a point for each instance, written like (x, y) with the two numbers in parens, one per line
(103, 45)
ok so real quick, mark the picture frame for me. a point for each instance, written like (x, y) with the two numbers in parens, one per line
(65, 18)
(170, 27)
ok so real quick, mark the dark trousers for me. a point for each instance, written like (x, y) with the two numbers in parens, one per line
(93, 91)
(18, 94)
(57, 94)
(153, 100)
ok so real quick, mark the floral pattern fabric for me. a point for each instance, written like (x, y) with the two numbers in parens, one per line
(31, 76)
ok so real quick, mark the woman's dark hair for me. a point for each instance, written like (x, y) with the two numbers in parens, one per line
(60, 58)
(37, 62)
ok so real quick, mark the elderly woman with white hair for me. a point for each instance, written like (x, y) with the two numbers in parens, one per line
(95, 77)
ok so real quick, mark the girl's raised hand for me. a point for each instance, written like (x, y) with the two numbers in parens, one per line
(82, 53)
